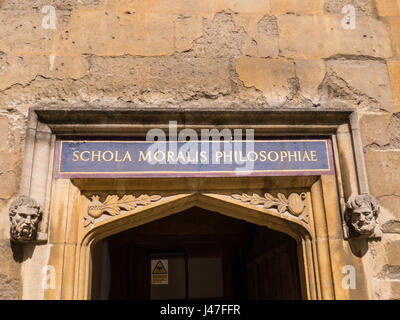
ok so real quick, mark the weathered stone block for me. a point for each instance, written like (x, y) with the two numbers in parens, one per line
(9, 273)
(391, 252)
(268, 75)
(262, 35)
(370, 38)
(388, 7)
(383, 170)
(310, 74)
(42, 89)
(394, 130)
(394, 74)
(390, 214)
(299, 7)
(249, 6)
(369, 78)
(390, 272)
(22, 33)
(160, 6)
(391, 226)
(8, 184)
(390, 204)
(387, 289)
(268, 26)
(261, 46)
(108, 33)
(374, 129)
(222, 38)
(58, 4)
(6, 161)
(128, 77)
(3, 132)
(187, 29)
(394, 24)
(178, 7)
(363, 7)
(203, 71)
(22, 70)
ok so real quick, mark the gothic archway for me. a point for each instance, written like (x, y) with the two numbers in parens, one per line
(200, 254)
(220, 203)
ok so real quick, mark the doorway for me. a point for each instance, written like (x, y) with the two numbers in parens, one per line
(196, 254)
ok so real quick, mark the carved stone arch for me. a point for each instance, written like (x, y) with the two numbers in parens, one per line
(220, 203)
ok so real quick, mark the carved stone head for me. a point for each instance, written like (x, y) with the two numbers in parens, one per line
(25, 215)
(362, 216)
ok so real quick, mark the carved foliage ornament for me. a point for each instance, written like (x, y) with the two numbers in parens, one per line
(113, 205)
(361, 217)
(25, 214)
(295, 204)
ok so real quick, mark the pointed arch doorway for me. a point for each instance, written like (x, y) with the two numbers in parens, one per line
(196, 254)
(214, 226)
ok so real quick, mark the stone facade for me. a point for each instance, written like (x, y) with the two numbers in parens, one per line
(205, 54)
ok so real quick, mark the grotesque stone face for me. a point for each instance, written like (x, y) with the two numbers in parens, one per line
(363, 220)
(363, 214)
(24, 217)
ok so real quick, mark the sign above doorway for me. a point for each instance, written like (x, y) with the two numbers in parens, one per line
(124, 159)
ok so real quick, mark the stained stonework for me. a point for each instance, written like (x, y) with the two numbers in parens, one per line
(362, 7)
(268, 54)
(10, 278)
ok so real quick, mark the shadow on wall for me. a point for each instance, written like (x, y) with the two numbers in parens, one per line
(359, 247)
(21, 252)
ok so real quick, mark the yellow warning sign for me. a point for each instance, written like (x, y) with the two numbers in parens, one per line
(159, 268)
(159, 271)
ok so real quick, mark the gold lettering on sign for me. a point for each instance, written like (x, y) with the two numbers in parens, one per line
(275, 155)
(145, 158)
(98, 156)
(188, 157)
(314, 156)
(203, 156)
(75, 156)
(127, 156)
(306, 156)
(293, 154)
(82, 158)
(108, 159)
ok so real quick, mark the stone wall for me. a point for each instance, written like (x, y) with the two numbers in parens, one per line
(214, 53)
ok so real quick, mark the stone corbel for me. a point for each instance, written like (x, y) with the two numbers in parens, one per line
(361, 218)
(25, 214)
